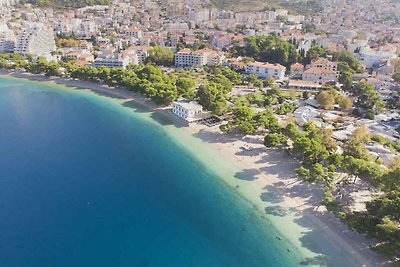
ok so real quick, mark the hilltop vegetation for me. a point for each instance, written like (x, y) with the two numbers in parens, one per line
(66, 3)
(303, 7)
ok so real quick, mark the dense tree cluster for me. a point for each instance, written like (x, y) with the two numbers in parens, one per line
(270, 49)
(327, 100)
(160, 56)
(66, 42)
(212, 97)
(381, 220)
(213, 94)
(367, 98)
(248, 121)
(147, 80)
(316, 149)
(314, 52)
(12, 61)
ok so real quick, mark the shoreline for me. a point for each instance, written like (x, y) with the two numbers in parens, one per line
(265, 180)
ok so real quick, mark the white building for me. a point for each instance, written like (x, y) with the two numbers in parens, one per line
(36, 39)
(264, 70)
(186, 110)
(141, 53)
(319, 75)
(134, 32)
(176, 26)
(112, 62)
(199, 15)
(8, 2)
(7, 39)
(85, 29)
(81, 28)
(370, 57)
(296, 18)
(189, 58)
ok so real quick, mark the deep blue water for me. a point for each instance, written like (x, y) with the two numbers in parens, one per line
(85, 182)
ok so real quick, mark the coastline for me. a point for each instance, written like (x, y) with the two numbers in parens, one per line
(265, 180)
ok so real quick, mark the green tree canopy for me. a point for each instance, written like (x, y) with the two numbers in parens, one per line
(160, 56)
(326, 100)
(269, 48)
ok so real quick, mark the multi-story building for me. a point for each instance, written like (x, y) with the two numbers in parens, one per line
(264, 70)
(85, 29)
(319, 75)
(81, 56)
(36, 39)
(141, 53)
(81, 28)
(7, 39)
(321, 70)
(203, 57)
(325, 64)
(134, 32)
(199, 15)
(117, 61)
(296, 70)
(8, 2)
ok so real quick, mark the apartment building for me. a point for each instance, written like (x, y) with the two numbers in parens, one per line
(134, 32)
(203, 57)
(319, 75)
(8, 2)
(296, 70)
(321, 70)
(325, 64)
(7, 39)
(36, 39)
(117, 61)
(265, 69)
(141, 53)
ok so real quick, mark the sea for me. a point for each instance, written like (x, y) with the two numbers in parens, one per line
(87, 180)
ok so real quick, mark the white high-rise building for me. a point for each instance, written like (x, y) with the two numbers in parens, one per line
(36, 39)
(7, 39)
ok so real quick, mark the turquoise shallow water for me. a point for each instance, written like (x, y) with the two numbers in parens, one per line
(85, 181)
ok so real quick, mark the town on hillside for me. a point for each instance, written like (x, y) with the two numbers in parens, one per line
(325, 87)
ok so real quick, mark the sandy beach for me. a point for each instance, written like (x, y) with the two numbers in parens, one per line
(267, 179)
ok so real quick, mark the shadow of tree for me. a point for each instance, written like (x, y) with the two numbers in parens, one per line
(247, 175)
(277, 211)
(215, 137)
(272, 197)
(110, 94)
(250, 153)
(319, 260)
